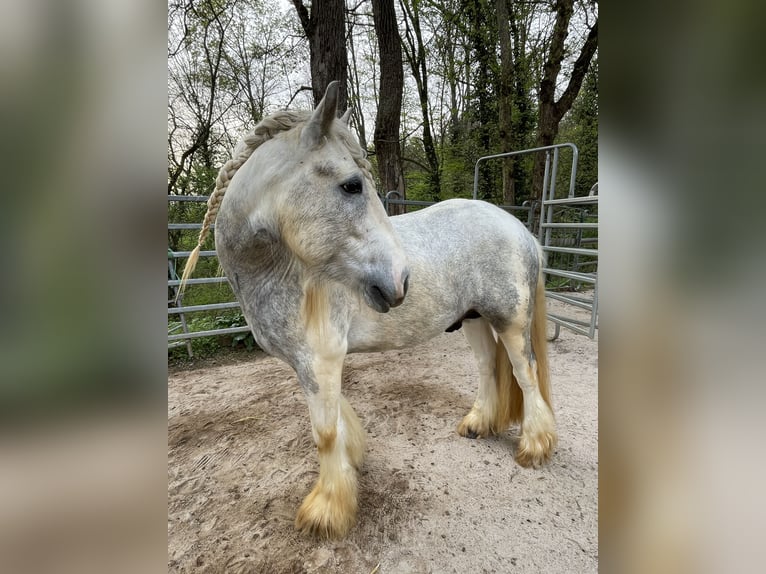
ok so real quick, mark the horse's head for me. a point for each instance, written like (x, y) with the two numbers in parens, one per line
(317, 188)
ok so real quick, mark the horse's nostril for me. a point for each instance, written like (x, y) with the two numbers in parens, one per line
(406, 282)
(386, 292)
(383, 298)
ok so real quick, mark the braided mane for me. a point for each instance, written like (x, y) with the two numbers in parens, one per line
(266, 129)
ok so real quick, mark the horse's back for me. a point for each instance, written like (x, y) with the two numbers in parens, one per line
(467, 232)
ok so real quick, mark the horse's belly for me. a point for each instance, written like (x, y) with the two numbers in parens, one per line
(381, 340)
(400, 328)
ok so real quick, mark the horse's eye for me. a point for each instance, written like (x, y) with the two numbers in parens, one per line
(353, 185)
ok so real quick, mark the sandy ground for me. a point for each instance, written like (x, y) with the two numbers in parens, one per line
(241, 459)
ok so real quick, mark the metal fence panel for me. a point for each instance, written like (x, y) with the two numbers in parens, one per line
(546, 226)
(549, 223)
(176, 307)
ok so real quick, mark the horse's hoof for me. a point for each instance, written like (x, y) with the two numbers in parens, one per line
(328, 512)
(470, 432)
(474, 425)
(535, 451)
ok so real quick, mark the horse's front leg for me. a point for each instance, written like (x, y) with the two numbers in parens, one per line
(329, 510)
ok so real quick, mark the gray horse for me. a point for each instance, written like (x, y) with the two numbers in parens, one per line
(321, 271)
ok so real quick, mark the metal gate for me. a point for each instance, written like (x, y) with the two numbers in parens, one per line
(179, 332)
(567, 229)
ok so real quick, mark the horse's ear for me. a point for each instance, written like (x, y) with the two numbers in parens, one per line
(346, 117)
(325, 113)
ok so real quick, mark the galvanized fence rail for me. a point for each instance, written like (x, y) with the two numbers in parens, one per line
(544, 218)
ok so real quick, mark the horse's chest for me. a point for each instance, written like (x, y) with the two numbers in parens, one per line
(274, 318)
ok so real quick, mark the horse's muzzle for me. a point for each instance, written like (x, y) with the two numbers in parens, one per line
(382, 293)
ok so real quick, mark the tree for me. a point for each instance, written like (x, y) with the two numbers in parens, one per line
(195, 81)
(227, 62)
(505, 98)
(580, 126)
(325, 29)
(551, 110)
(355, 97)
(479, 77)
(387, 148)
(415, 51)
(259, 47)
(195, 104)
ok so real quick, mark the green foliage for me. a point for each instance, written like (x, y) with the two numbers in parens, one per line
(580, 126)
(457, 175)
(236, 320)
(203, 347)
(418, 187)
(466, 60)
(464, 144)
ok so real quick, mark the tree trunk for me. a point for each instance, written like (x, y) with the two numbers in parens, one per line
(480, 32)
(505, 100)
(326, 31)
(387, 147)
(452, 79)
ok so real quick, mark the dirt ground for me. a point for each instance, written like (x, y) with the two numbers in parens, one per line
(241, 459)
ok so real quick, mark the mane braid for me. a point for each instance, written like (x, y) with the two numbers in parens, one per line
(265, 130)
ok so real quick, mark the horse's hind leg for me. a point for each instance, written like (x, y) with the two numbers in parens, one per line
(488, 414)
(330, 508)
(538, 429)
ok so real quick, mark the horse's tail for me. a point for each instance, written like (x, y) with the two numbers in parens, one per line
(509, 394)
